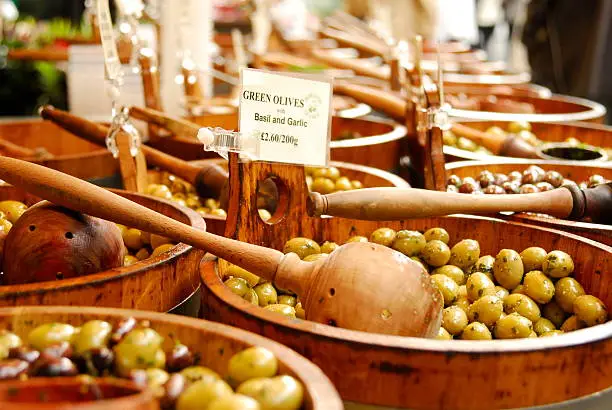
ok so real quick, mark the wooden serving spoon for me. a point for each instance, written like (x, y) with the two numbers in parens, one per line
(17, 151)
(209, 180)
(403, 301)
(567, 202)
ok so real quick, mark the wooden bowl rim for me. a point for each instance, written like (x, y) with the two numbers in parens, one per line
(210, 278)
(595, 110)
(493, 79)
(318, 385)
(140, 396)
(195, 220)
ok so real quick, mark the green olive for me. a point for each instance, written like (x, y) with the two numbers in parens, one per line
(251, 363)
(517, 126)
(323, 185)
(519, 289)
(315, 257)
(157, 240)
(410, 243)
(93, 334)
(193, 202)
(162, 249)
(234, 402)
(129, 260)
(218, 212)
(302, 247)
(251, 296)
(356, 184)
(466, 144)
(300, 313)
(238, 286)
(139, 349)
(513, 326)
(329, 247)
(194, 374)
(496, 130)
(200, 394)
(436, 253)
(160, 191)
(437, 233)
(484, 265)
(543, 325)
(462, 292)
(478, 285)
(501, 292)
(453, 272)
(463, 303)
(211, 204)
(12, 210)
(8, 341)
(558, 264)
(572, 323)
(443, 334)
(156, 378)
(566, 291)
(486, 310)
(532, 258)
(465, 253)
(238, 272)
(538, 286)
(590, 310)
(553, 312)
(383, 236)
(552, 333)
(356, 238)
(288, 300)
(282, 309)
(448, 288)
(266, 293)
(49, 334)
(454, 320)
(276, 393)
(333, 173)
(343, 184)
(476, 331)
(142, 254)
(508, 268)
(132, 239)
(523, 305)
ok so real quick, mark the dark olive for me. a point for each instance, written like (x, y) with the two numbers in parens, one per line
(515, 176)
(123, 327)
(500, 178)
(13, 368)
(494, 189)
(49, 366)
(96, 361)
(62, 349)
(529, 189)
(454, 180)
(172, 390)
(539, 171)
(567, 181)
(553, 178)
(530, 176)
(179, 358)
(24, 353)
(544, 186)
(595, 180)
(469, 185)
(486, 178)
(511, 187)
(452, 188)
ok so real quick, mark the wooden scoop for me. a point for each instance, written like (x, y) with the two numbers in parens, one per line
(17, 151)
(567, 202)
(210, 180)
(403, 301)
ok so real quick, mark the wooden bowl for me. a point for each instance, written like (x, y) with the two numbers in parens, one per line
(507, 78)
(592, 134)
(555, 108)
(159, 284)
(575, 172)
(419, 374)
(72, 155)
(214, 342)
(380, 145)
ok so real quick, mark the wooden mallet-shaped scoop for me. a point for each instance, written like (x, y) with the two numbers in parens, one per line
(386, 204)
(209, 180)
(345, 289)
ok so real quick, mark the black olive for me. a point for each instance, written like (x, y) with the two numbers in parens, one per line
(62, 349)
(123, 327)
(49, 366)
(529, 189)
(24, 353)
(96, 361)
(13, 368)
(453, 180)
(172, 390)
(179, 358)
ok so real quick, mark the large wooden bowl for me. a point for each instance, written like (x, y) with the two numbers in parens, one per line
(555, 108)
(575, 172)
(213, 342)
(417, 373)
(592, 134)
(72, 155)
(380, 145)
(159, 284)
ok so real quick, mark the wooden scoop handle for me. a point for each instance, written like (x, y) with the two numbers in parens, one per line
(178, 126)
(386, 102)
(510, 145)
(381, 73)
(210, 180)
(13, 150)
(358, 42)
(89, 199)
(378, 204)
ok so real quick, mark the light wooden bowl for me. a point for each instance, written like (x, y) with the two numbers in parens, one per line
(215, 343)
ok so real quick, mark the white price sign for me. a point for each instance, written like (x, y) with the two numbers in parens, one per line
(289, 113)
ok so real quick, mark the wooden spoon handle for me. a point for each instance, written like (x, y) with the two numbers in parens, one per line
(14, 150)
(378, 204)
(360, 43)
(382, 73)
(90, 199)
(511, 145)
(388, 103)
(178, 126)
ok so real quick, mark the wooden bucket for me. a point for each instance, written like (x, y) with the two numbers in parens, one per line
(405, 372)
(72, 155)
(380, 144)
(215, 343)
(592, 134)
(159, 283)
(573, 171)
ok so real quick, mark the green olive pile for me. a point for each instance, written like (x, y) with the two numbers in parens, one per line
(507, 296)
(183, 193)
(10, 212)
(328, 180)
(531, 180)
(135, 351)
